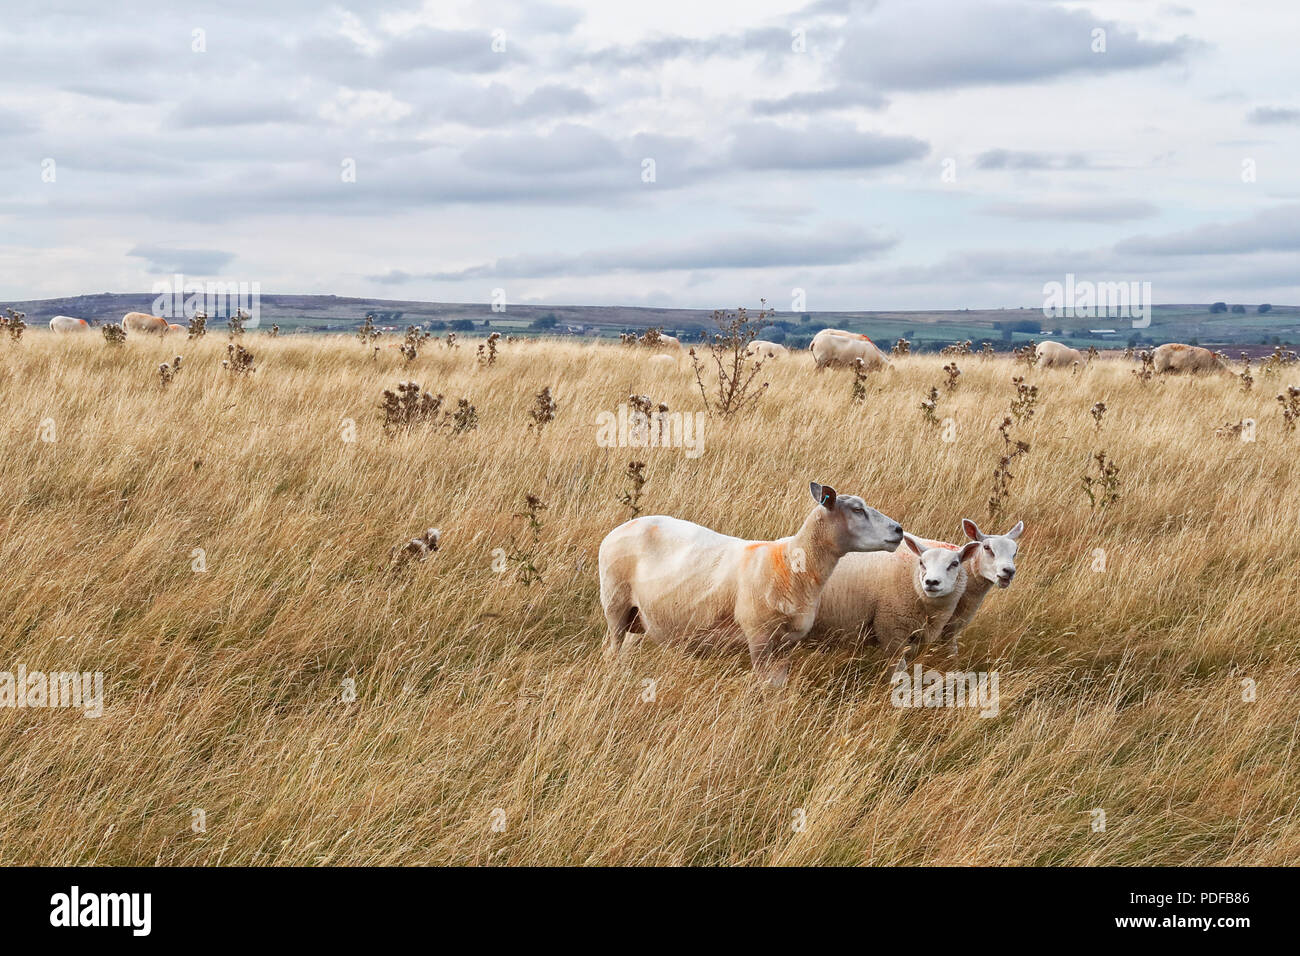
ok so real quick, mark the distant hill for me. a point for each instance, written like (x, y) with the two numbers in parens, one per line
(927, 330)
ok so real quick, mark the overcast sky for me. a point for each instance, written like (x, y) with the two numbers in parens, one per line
(879, 155)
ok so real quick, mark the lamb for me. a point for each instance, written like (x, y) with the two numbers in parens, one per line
(1175, 357)
(836, 347)
(994, 562)
(674, 580)
(902, 601)
(1056, 355)
(67, 323)
(144, 322)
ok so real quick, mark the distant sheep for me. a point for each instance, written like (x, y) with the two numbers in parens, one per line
(144, 323)
(1056, 355)
(66, 323)
(902, 601)
(764, 350)
(674, 580)
(836, 347)
(1175, 357)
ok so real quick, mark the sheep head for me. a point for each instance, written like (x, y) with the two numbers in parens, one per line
(854, 526)
(938, 570)
(996, 560)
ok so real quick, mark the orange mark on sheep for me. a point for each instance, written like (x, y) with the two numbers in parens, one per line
(780, 567)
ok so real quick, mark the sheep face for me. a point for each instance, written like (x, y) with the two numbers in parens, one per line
(857, 527)
(997, 555)
(938, 569)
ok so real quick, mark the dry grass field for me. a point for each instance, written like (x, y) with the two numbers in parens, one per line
(1123, 689)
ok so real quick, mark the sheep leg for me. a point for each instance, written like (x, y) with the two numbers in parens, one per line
(769, 656)
(618, 621)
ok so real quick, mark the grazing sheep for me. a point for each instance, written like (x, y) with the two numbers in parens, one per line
(66, 323)
(994, 562)
(142, 322)
(1174, 357)
(901, 601)
(675, 580)
(1056, 355)
(836, 347)
(663, 361)
(764, 350)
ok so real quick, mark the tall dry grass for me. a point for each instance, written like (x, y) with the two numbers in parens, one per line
(1120, 690)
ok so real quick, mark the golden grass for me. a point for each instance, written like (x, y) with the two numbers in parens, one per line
(1120, 690)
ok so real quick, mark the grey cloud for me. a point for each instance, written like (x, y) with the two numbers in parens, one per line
(1028, 159)
(772, 146)
(252, 112)
(166, 260)
(829, 246)
(13, 124)
(774, 41)
(133, 97)
(1076, 210)
(498, 104)
(1273, 115)
(463, 50)
(815, 101)
(1272, 230)
(925, 45)
(566, 148)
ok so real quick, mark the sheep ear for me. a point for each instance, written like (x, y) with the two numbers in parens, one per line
(972, 530)
(1015, 532)
(970, 548)
(914, 544)
(822, 494)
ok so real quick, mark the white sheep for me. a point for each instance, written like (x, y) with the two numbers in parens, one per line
(68, 323)
(901, 601)
(837, 347)
(994, 562)
(1058, 355)
(765, 350)
(674, 580)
